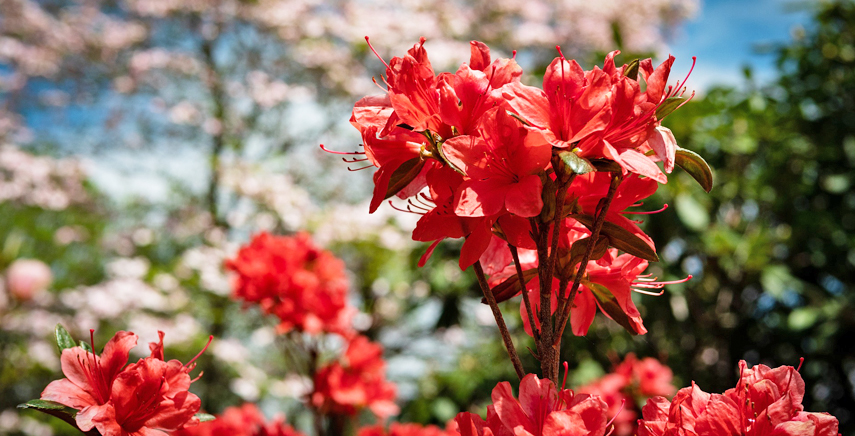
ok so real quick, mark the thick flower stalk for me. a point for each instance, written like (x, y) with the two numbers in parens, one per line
(545, 174)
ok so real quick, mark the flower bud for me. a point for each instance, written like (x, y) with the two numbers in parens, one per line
(27, 277)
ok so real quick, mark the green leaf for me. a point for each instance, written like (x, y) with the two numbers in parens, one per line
(404, 175)
(47, 405)
(606, 165)
(511, 286)
(608, 304)
(696, 166)
(205, 417)
(668, 106)
(575, 163)
(85, 345)
(63, 338)
(60, 411)
(621, 238)
(631, 69)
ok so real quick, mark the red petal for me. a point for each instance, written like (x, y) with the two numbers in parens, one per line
(524, 198)
(478, 198)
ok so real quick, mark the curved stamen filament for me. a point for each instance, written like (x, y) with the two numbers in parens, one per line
(407, 210)
(352, 160)
(373, 79)
(650, 212)
(375, 51)
(359, 169)
(414, 205)
(425, 201)
(622, 405)
(654, 294)
(694, 60)
(210, 339)
(324, 148)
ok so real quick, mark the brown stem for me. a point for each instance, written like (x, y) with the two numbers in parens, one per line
(546, 270)
(526, 300)
(562, 289)
(218, 142)
(500, 320)
(317, 416)
(583, 265)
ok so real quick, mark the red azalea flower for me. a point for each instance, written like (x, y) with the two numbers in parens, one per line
(89, 378)
(542, 410)
(502, 167)
(146, 398)
(470, 424)
(602, 113)
(246, 420)
(290, 277)
(587, 190)
(611, 388)
(631, 381)
(648, 377)
(358, 382)
(474, 89)
(570, 107)
(418, 103)
(765, 402)
(412, 91)
(439, 221)
(617, 274)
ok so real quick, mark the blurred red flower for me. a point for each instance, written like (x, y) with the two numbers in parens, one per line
(397, 429)
(245, 420)
(288, 276)
(631, 382)
(356, 383)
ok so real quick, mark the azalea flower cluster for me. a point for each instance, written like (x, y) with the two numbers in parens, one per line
(147, 397)
(629, 384)
(288, 276)
(536, 180)
(357, 382)
(246, 420)
(306, 288)
(764, 402)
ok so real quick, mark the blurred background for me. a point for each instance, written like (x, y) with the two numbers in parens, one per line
(143, 141)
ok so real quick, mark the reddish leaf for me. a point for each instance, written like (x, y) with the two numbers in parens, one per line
(511, 286)
(609, 305)
(405, 174)
(621, 238)
(696, 166)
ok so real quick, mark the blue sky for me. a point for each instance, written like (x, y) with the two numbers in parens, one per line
(723, 36)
